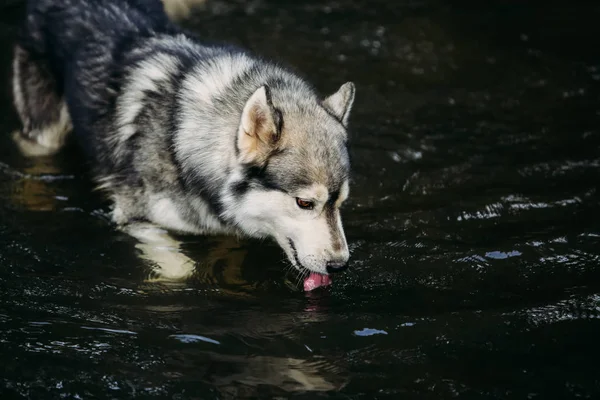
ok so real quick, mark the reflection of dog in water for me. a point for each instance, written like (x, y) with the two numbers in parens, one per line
(169, 261)
(259, 371)
(240, 376)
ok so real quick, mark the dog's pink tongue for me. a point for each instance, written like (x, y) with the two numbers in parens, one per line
(315, 280)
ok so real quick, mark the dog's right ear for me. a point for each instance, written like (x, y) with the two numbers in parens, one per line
(260, 128)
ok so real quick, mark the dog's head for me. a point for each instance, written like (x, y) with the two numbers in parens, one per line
(293, 174)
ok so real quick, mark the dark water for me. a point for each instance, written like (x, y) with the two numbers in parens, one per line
(473, 222)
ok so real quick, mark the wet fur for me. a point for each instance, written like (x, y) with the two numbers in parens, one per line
(157, 114)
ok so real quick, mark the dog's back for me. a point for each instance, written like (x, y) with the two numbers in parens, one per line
(71, 49)
(62, 27)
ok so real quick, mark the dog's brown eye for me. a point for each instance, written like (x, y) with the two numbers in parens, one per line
(305, 204)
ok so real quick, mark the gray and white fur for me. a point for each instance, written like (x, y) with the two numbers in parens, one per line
(193, 137)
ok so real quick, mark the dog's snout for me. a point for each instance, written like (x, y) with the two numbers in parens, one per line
(336, 266)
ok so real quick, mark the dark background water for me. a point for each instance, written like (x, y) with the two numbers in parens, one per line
(475, 244)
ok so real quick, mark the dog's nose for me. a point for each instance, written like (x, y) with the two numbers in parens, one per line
(336, 266)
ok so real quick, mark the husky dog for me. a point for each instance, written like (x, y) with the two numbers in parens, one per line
(192, 137)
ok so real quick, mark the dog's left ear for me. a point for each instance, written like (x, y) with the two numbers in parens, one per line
(340, 103)
(260, 127)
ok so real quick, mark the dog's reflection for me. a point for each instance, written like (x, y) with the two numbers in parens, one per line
(240, 377)
(162, 252)
(30, 187)
(168, 261)
(267, 361)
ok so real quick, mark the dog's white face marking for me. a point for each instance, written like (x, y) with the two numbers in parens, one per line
(310, 237)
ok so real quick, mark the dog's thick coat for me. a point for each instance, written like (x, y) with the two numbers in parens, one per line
(193, 137)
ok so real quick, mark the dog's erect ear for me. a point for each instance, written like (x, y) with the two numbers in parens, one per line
(260, 127)
(340, 103)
